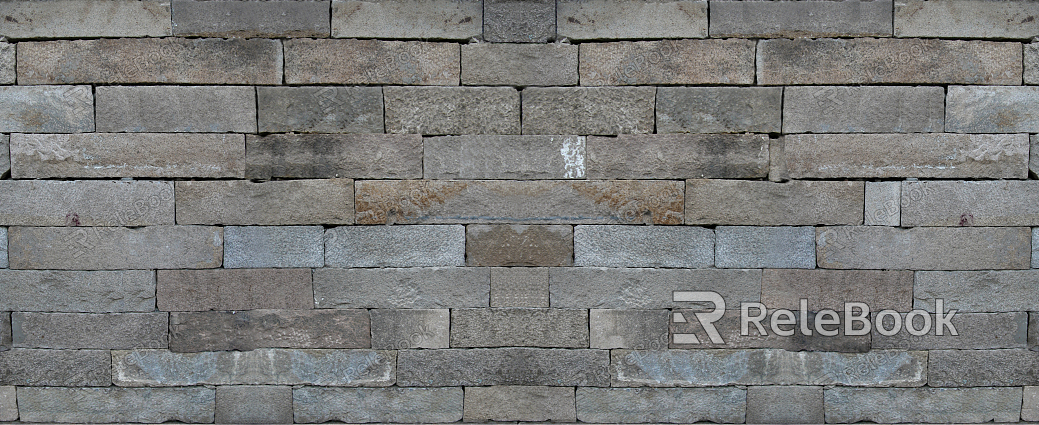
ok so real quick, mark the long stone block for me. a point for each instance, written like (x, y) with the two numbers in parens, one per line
(401, 329)
(678, 156)
(86, 203)
(504, 157)
(831, 289)
(254, 404)
(685, 61)
(78, 291)
(351, 62)
(119, 331)
(252, 329)
(914, 18)
(320, 109)
(875, 109)
(511, 245)
(519, 403)
(970, 203)
(503, 366)
(643, 246)
(79, 19)
(593, 287)
(605, 19)
(663, 405)
(637, 329)
(55, 368)
(764, 247)
(519, 327)
(115, 248)
(395, 246)
(271, 19)
(444, 287)
(977, 291)
(100, 405)
(453, 110)
(923, 248)
(928, 405)
(234, 289)
(794, 19)
(982, 368)
(496, 64)
(588, 110)
(416, 19)
(273, 246)
(763, 203)
(719, 109)
(981, 109)
(47, 109)
(519, 21)
(387, 405)
(325, 156)
(729, 327)
(272, 203)
(176, 109)
(974, 331)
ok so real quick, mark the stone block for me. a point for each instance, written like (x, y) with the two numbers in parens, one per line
(719, 109)
(867, 109)
(588, 110)
(763, 203)
(504, 157)
(931, 405)
(413, 287)
(254, 404)
(519, 287)
(387, 405)
(637, 329)
(395, 246)
(452, 110)
(247, 19)
(793, 19)
(248, 330)
(677, 405)
(79, 19)
(514, 245)
(678, 156)
(320, 109)
(981, 109)
(977, 291)
(643, 246)
(99, 405)
(118, 331)
(413, 19)
(401, 329)
(831, 289)
(633, 288)
(682, 61)
(605, 19)
(353, 62)
(272, 203)
(115, 248)
(519, 21)
(914, 18)
(785, 404)
(765, 247)
(326, 156)
(46, 109)
(55, 368)
(494, 64)
(519, 327)
(273, 246)
(78, 291)
(176, 109)
(234, 289)
(519, 403)
(86, 203)
(503, 366)
(923, 248)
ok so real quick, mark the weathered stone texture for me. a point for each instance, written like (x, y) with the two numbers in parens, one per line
(664, 405)
(325, 156)
(764, 247)
(504, 157)
(793, 19)
(176, 109)
(401, 329)
(937, 405)
(977, 291)
(684, 325)
(453, 110)
(643, 246)
(254, 404)
(492, 64)
(881, 290)
(46, 109)
(395, 246)
(762, 203)
(876, 109)
(85, 203)
(719, 109)
(119, 331)
(605, 19)
(588, 110)
(421, 19)
(961, 19)
(81, 19)
(785, 404)
(519, 21)
(981, 109)
(519, 403)
(270, 19)
(115, 248)
(353, 62)
(385, 405)
(633, 288)
(638, 329)
(982, 368)
(272, 203)
(234, 289)
(5, 154)
(55, 368)
(974, 331)
(970, 203)
(1030, 406)
(503, 366)
(102, 405)
(519, 287)
(77, 291)
(678, 156)
(667, 62)
(883, 204)
(8, 404)
(5, 333)
(273, 246)
(519, 327)
(519, 245)
(7, 63)
(443, 287)
(252, 329)
(320, 109)
(924, 248)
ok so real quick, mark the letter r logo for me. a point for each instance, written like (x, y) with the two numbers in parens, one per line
(706, 319)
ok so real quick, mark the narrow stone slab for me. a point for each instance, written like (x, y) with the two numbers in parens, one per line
(78, 291)
(763, 203)
(519, 327)
(115, 248)
(1030, 405)
(254, 404)
(970, 203)
(643, 246)
(402, 329)
(387, 405)
(977, 291)
(320, 109)
(453, 110)
(176, 109)
(85, 203)
(605, 19)
(719, 109)
(519, 403)
(503, 366)
(5, 154)
(498, 64)
(678, 405)
(55, 368)
(764, 247)
(234, 289)
(982, 368)
(1033, 160)
(79, 19)
(47, 109)
(678, 156)
(447, 287)
(594, 287)
(98, 405)
(867, 109)
(930, 405)
(7, 63)
(831, 289)
(325, 156)
(272, 203)
(353, 62)
(119, 331)
(588, 110)
(974, 331)
(792, 19)
(883, 204)
(637, 329)
(5, 342)
(249, 19)
(981, 109)
(923, 248)
(914, 18)
(273, 246)
(519, 245)
(421, 19)
(504, 157)
(8, 404)
(667, 62)
(396, 246)
(249, 330)
(519, 21)
(785, 404)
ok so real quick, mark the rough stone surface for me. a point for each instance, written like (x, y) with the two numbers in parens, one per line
(519, 403)
(785, 404)
(879, 109)
(324, 156)
(684, 322)
(831, 289)
(519, 202)
(765, 247)
(320, 109)
(152, 60)
(1035, 248)
(643, 246)
(102, 405)
(354, 62)
(117, 155)
(719, 109)
(883, 204)
(5, 332)
(1033, 159)
(937, 405)
(664, 405)
(1030, 406)
(977, 291)
(519, 245)
(633, 288)
(504, 157)
(979, 109)
(588, 110)
(519, 287)
(265, 366)
(923, 248)
(440, 287)
(970, 203)
(1031, 63)
(886, 60)
(667, 62)
(914, 18)
(248, 330)
(77, 291)
(8, 404)
(503, 366)
(974, 331)
(47, 109)
(234, 289)
(519, 21)
(386, 405)
(421, 19)
(792, 19)
(452, 110)
(176, 109)
(115, 248)
(79, 19)
(638, 329)
(519, 327)
(254, 405)
(5, 154)
(678, 156)
(7, 63)
(85, 203)
(395, 246)
(3, 248)
(401, 329)
(762, 203)
(604, 19)
(275, 246)
(55, 368)
(492, 64)
(119, 331)
(272, 19)
(272, 203)
(982, 368)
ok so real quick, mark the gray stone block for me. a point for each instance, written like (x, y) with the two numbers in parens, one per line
(519, 287)
(85, 203)
(176, 109)
(1031, 63)
(785, 404)
(492, 64)
(55, 368)
(504, 157)
(791, 19)
(271, 19)
(1033, 156)
(254, 404)
(309, 61)
(401, 329)
(272, 203)
(519, 245)
(719, 109)
(8, 404)
(970, 203)
(248, 330)
(118, 331)
(438, 287)
(638, 329)
(588, 110)
(519, 327)
(763, 203)
(678, 156)
(1035, 248)
(519, 403)
(765, 247)
(665, 405)
(683, 324)
(3, 248)
(77, 291)
(320, 109)
(395, 246)
(982, 368)
(933, 405)
(667, 62)
(981, 109)
(78, 19)
(5, 332)
(273, 246)
(878, 109)
(1030, 405)
(519, 21)
(325, 156)
(975, 331)
(47, 109)
(503, 366)
(977, 291)
(387, 405)
(234, 289)
(594, 287)
(452, 110)
(831, 289)
(643, 246)
(914, 18)
(923, 248)
(413, 19)
(883, 204)
(1033, 331)
(97, 405)
(5, 154)
(115, 248)
(7, 63)
(605, 19)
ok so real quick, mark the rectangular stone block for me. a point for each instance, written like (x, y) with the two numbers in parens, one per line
(395, 246)
(594, 287)
(504, 157)
(5, 335)
(678, 156)
(604, 19)
(248, 330)
(115, 248)
(1033, 331)
(588, 110)
(933, 405)
(271, 19)
(661, 62)
(920, 155)
(980, 109)
(519, 287)
(520, 202)
(119, 331)
(1033, 157)
(519, 327)
(494, 64)
(55, 368)
(100, 405)
(831, 289)
(638, 329)
(234, 289)
(265, 366)
(271, 203)
(3, 248)
(914, 18)
(77, 291)
(974, 331)
(254, 404)
(439, 287)
(765, 247)
(643, 246)
(519, 21)
(388, 405)
(923, 248)
(970, 203)
(119, 155)
(273, 246)
(513, 245)
(763, 203)
(977, 291)
(665, 405)
(503, 366)
(785, 404)
(5, 155)
(79, 19)
(719, 109)
(982, 368)
(325, 156)
(320, 109)
(176, 109)
(794, 19)
(8, 404)
(401, 329)
(152, 60)
(686, 331)
(453, 110)
(875, 109)
(519, 403)
(1035, 248)
(878, 61)
(413, 19)
(1030, 406)
(354, 62)
(883, 204)
(46, 109)
(85, 203)
(7, 63)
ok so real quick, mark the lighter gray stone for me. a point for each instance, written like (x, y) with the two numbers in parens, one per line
(665, 405)
(970, 203)
(643, 246)
(638, 329)
(519, 327)
(982, 368)
(253, 404)
(876, 109)
(353, 62)
(439, 287)
(763, 203)
(832, 289)
(79, 19)
(251, 329)
(504, 157)
(412, 19)
(1030, 405)
(977, 291)
(5, 154)
(719, 109)
(765, 247)
(494, 64)
(7, 64)
(119, 331)
(605, 19)
(234, 289)
(453, 110)
(115, 248)
(519, 403)
(386, 405)
(883, 202)
(1035, 248)
(395, 246)
(272, 203)
(101, 405)
(46, 109)
(961, 19)
(249, 19)
(667, 62)
(5, 332)
(786, 19)
(3, 248)
(785, 404)
(8, 404)
(519, 287)
(983, 109)
(678, 156)
(588, 110)
(273, 246)
(401, 329)
(77, 291)
(519, 21)
(85, 203)
(320, 109)
(176, 109)
(594, 287)
(929, 405)
(324, 156)
(974, 331)
(923, 248)
(503, 366)
(1033, 158)
(55, 368)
